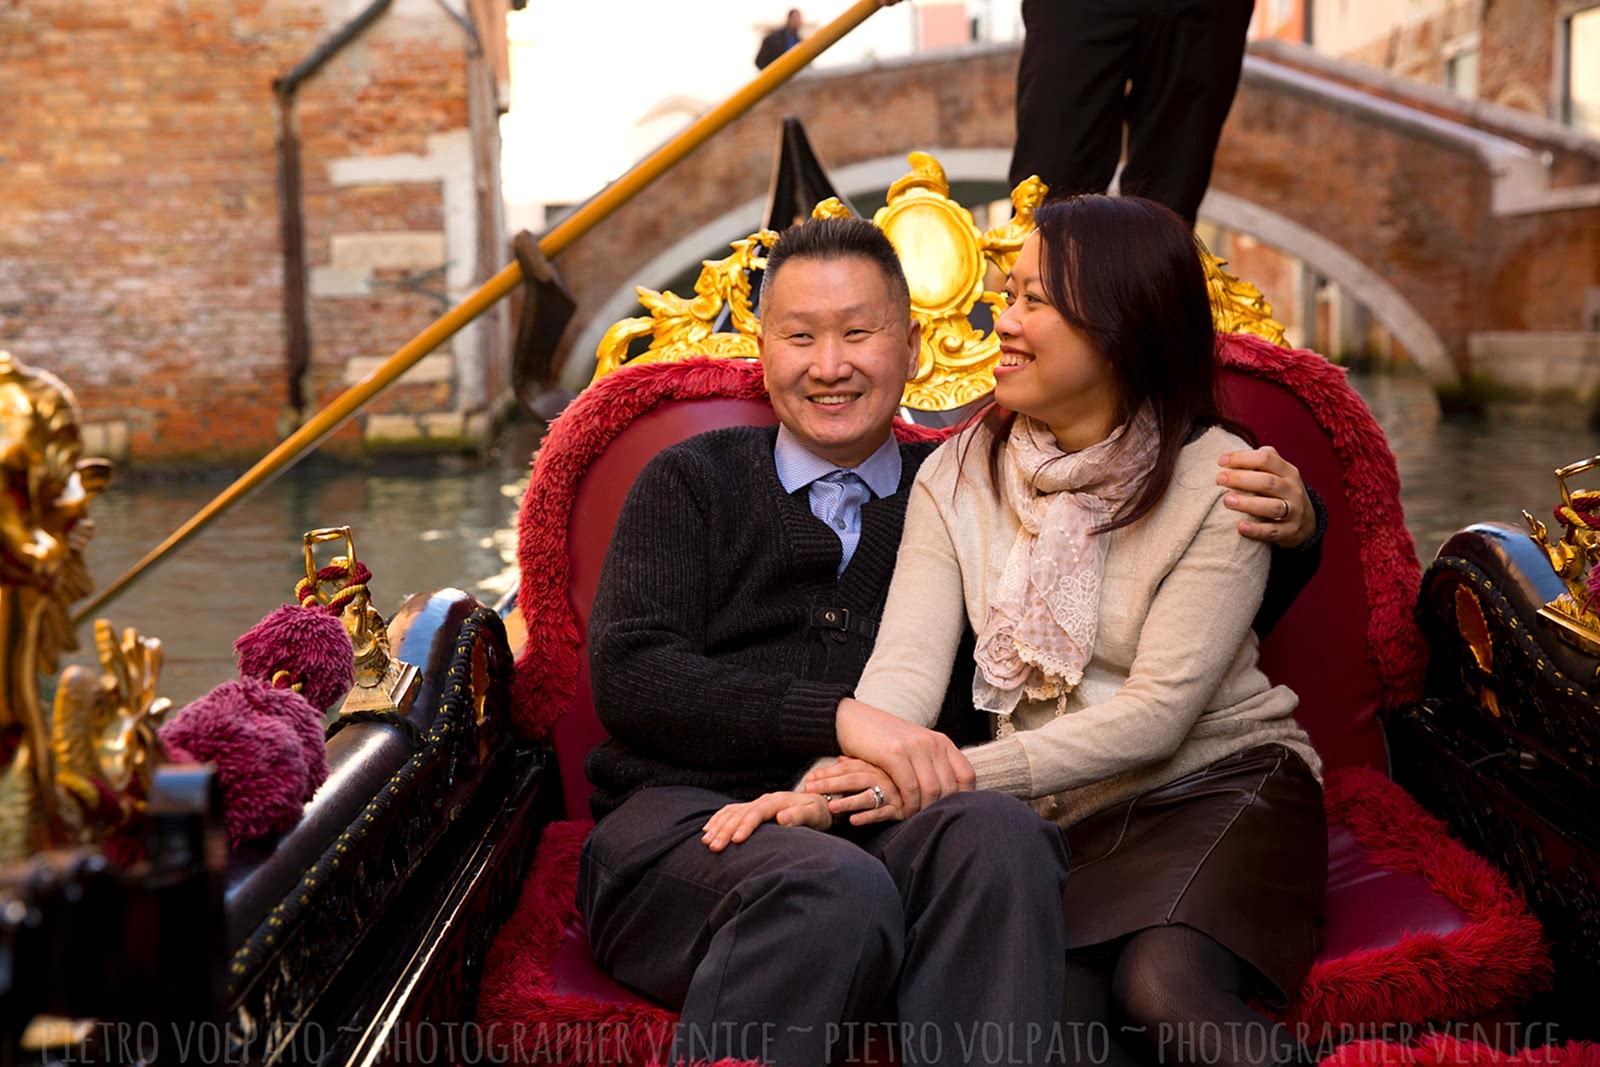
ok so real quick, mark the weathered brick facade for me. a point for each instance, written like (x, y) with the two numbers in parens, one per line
(1515, 41)
(140, 251)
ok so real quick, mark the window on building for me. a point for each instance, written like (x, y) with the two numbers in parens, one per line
(1580, 99)
(1461, 73)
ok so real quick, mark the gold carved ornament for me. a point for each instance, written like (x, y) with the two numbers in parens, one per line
(382, 682)
(947, 261)
(679, 328)
(1572, 614)
(105, 729)
(83, 770)
(1237, 306)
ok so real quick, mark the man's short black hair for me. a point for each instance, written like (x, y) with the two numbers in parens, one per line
(839, 238)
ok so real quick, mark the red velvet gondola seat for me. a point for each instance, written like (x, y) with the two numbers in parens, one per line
(1417, 928)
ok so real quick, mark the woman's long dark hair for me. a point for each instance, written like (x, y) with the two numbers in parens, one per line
(1127, 272)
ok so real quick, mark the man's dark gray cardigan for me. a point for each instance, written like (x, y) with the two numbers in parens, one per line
(712, 655)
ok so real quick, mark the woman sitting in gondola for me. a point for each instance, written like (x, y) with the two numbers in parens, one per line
(1081, 530)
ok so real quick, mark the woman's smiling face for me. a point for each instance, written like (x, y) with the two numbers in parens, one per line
(1049, 369)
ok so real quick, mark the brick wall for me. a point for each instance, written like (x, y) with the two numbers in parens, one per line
(140, 253)
(1515, 42)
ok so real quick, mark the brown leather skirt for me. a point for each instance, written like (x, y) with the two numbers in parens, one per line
(1238, 851)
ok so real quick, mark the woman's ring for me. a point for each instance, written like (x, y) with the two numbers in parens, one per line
(1284, 514)
(877, 797)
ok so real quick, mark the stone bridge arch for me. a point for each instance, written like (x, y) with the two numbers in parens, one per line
(1443, 229)
(1388, 306)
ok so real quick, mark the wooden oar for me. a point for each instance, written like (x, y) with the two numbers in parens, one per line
(352, 400)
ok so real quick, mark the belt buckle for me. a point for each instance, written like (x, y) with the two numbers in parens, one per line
(836, 618)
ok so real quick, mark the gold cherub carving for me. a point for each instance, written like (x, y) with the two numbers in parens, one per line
(44, 526)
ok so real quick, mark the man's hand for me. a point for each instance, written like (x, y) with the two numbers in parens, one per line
(924, 764)
(849, 783)
(1267, 489)
(736, 822)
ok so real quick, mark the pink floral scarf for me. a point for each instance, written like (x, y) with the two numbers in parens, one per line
(1040, 632)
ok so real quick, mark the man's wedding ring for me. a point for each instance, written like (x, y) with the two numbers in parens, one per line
(877, 797)
(1284, 514)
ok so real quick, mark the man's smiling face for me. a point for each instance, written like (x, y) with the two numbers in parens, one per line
(837, 347)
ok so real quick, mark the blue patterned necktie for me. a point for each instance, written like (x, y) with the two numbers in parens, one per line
(836, 499)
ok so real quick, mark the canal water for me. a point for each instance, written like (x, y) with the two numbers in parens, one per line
(423, 525)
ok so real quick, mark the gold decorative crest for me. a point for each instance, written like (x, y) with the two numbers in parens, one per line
(680, 328)
(82, 769)
(947, 261)
(105, 727)
(1237, 306)
(383, 683)
(1572, 614)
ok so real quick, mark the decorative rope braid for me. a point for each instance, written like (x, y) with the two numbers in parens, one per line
(1526, 641)
(285, 680)
(305, 591)
(1583, 514)
(455, 707)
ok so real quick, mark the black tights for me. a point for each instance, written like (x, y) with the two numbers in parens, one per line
(1169, 995)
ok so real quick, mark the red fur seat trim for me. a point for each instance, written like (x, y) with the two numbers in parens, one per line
(522, 1014)
(1499, 957)
(524, 1018)
(1447, 1050)
(1372, 485)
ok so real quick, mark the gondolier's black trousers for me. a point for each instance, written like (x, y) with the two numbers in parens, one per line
(797, 940)
(1177, 60)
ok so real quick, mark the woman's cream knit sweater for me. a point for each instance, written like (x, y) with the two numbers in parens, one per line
(1173, 684)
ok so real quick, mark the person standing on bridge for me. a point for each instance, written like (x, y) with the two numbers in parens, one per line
(779, 40)
(1168, 69)
(1165, 69)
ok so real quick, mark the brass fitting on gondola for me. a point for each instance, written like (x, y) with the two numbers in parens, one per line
(382, 682)
(1572, 614)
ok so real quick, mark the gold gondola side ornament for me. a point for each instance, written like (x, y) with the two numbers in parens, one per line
(1572, 614)
(680, 328)
(1238, 306)
(947, 261)
(946, 257)
(82, 770)
(382, 682)
(105, 724)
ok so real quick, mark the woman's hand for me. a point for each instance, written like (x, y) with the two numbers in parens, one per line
(736, 822)
(924, 764)
(1268, 490)
(849, 785)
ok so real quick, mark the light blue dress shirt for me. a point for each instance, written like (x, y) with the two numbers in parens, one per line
(837, 493)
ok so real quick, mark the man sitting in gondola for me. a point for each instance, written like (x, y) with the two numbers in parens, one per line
(734, 614)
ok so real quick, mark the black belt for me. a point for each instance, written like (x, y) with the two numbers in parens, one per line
(841, 619)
